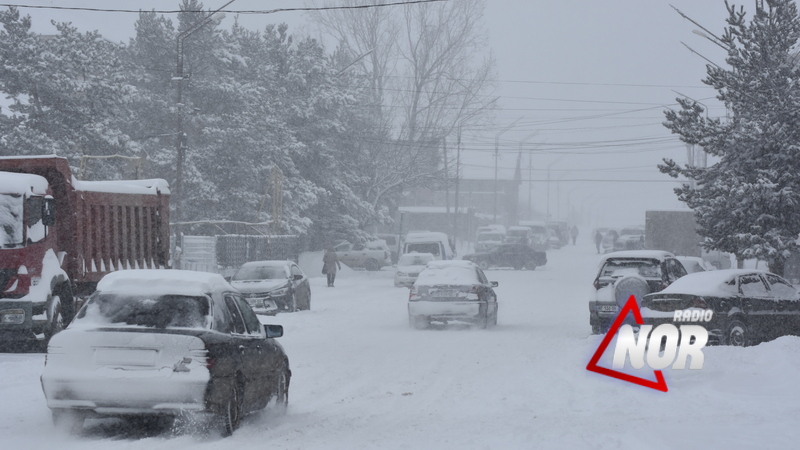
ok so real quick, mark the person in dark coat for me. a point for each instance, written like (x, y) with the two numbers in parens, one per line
(330, 263)
(574, 233)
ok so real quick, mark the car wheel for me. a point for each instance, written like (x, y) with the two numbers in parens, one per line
(483, 264)
(308, 301)
(371, 264)
(518, 266)
(231, 415)
(68, 420)
(419, 322)
(737, 333)
(282, 391)
(530, 265)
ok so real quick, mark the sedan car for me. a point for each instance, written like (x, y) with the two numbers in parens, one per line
(371, 256)
(408, 268)
(509, 255)
(158, 343)
(747, 306)
(622, 274)
(452, 291)
(273, 286)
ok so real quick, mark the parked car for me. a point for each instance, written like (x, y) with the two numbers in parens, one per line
(540, 235)
(371, 256)
(454, 290)
(694, 264)
(749, 306)
(622, 274)
(517, 256)
(518, 235)
(271, 287)
(610, 240)
(408, 268)
(158, 343)
(488, 240)
(631, 238)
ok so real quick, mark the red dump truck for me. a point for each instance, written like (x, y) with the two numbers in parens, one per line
(60, 235)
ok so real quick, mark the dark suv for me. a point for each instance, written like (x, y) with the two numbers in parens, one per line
(626, 273)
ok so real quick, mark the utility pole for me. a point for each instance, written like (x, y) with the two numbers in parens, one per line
(496, 156)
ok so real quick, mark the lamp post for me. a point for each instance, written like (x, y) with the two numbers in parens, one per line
(548, 183)
(180, 141)
(530, 155)
(496, 155)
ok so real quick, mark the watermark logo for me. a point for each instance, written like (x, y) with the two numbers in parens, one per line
(658, 348)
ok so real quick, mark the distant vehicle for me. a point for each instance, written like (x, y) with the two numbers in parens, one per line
(622, 274)
(553, 241)
(517, 256)
(539, 234)
(518, 235)
(630, 238)
(371, 256)
(435, 243)
(158, 343)
(561, 230)
(496, 228)
(488, 240)
(609, 240)
(408, 268)
(694, 264)
(271, 287)
(749, 306)
(452, 291)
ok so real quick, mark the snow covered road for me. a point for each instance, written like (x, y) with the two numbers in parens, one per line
(363, 379)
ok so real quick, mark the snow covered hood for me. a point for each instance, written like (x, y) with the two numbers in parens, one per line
(448, 273)
(248, 286)
(167, 281)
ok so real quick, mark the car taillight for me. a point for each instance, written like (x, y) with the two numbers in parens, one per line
(698, 302)
(597, 284)
(413, 294)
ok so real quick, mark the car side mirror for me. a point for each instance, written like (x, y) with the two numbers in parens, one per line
(494, 283)
(297, 277)
(273, 331)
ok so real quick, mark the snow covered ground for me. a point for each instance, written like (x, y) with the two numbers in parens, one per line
(364, 380)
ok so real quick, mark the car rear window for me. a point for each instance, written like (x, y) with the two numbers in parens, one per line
(447, 276)
(259, 273)
(618, 268)
(423, 247)
(148, 311)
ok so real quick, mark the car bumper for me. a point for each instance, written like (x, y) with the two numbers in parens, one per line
(269, 305)
(443, 311)
(116, 392)
(404, 281)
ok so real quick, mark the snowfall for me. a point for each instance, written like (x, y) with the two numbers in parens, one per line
(362, 379)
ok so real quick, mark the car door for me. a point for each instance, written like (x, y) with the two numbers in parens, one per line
(787, 306)
(301, 286)
(249, 339)
(757, 303)
(488, 294)
(344, 252)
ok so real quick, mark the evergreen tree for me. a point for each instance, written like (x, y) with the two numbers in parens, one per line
(748, 203)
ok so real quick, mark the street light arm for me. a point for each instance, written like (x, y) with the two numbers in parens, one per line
(185, 33)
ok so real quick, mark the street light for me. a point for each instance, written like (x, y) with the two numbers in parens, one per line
(530, 163)
(180, 141)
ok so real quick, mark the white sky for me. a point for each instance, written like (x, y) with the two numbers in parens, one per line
(586, 82)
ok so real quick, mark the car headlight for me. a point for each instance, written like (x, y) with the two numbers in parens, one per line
(279, 292)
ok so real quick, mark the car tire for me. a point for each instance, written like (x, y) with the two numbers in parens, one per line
(231, 415)
(68, 420)
(530, 265)
(737, 334)
(57, 320)
(372, 265)
(483, 264)
(282, 391)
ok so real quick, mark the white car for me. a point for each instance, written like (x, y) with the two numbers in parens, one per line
(694, 264)
(408, 268)
(159, 343)
(371, 256)
(452, 291)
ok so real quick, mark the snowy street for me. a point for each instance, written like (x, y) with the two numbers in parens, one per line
(363, 379)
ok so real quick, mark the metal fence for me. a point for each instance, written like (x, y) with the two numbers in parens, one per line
(234, 250)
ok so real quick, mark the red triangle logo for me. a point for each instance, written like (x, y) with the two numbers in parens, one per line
(630, 306)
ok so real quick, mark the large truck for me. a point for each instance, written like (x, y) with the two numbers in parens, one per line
(59, 236)
(673, 231)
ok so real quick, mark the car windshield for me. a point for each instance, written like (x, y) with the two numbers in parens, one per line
(259, 273)
(621, 267)
(414, 260)
(149, 311)
(10, 220)
(423, 247)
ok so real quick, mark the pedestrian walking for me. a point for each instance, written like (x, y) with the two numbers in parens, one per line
(330, 263)
(574, 233)
(598, 239)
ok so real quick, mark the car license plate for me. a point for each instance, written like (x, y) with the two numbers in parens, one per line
(608, 308)
(445, 293)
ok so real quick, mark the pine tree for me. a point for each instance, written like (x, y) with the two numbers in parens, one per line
(748, 203)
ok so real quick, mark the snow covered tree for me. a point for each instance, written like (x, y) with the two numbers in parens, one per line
(748, 203)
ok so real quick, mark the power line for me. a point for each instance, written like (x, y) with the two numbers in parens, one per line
(242, 11)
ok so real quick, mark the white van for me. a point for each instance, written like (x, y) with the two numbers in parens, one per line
(432, 242)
